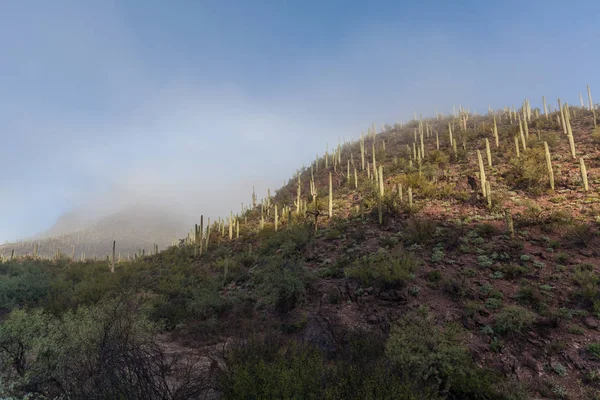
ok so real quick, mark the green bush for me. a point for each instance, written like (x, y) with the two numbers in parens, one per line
(103, 351)
(419, 231)
(435, 356)
(292, 240)
(281, 283)
(23, 285)
(270, 368)
(513, 319)
(588, 281)
(594, 349)
(580, 234)
(529, 171)
(385, 270)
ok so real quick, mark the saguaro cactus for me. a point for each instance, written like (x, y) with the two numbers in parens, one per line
(298, 193)
(549, 165)
(481, 172)
(381, 187)
(495, 131)
(488, 194)
(362, 154)
(112, 267)
(562, 117)
(488, 152)
(570, 137)
(522, 135)
(584, 178)
(330, 196)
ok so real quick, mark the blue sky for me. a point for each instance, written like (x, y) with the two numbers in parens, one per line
(189, 103)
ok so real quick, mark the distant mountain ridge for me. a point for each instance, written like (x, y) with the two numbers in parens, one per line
(134, 228)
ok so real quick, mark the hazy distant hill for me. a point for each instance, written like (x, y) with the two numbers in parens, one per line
(134, 228)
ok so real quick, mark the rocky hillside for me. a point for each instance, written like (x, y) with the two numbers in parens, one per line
(454, 257)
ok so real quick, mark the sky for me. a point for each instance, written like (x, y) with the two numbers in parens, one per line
(188, 104)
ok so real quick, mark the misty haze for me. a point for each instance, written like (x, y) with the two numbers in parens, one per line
(316, 200)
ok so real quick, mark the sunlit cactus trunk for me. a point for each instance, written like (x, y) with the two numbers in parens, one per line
(481, 172)
(549, 165)
(584, 178)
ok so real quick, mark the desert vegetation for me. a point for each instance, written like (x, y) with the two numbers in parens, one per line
(452, 257)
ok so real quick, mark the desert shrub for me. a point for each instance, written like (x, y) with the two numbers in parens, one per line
(271, 368)
(281, 283)
(531, 216)
(206, 300)
(594, 350)
(435, 356)
(556, 220)
(98, 352)
(529, 171)
(231, 270)
(438, 158)
(588, 286)
(418, 231)
(580, 234)
(493, 303)
(384, 269)
(23, 285)
(513, 270)
(375, 380)
(293, 240)
(433, 276)
(513, 319)
(531, 296)
(486, 230)
(420, 185)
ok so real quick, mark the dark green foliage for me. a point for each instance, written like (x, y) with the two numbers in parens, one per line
(531, 296)
(99, 352)
(272, 368)
(434, 276)
(292, 241)
(384, 269)
(419, 231)
(436, 357)
(594, 349)
(513, 319)
(588, 286)
(580, 234)
(281, 283)
(23, 285)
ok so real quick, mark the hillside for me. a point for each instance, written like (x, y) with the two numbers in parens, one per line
(453, 257)
(134, 228)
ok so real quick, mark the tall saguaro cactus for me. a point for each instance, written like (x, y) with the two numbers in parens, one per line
(584, 178)
(488, 153)
(481, 173)
(330, 196)
(495, 130)
(549, 164)
(570, 135)
(381, 187)
(112, 267)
